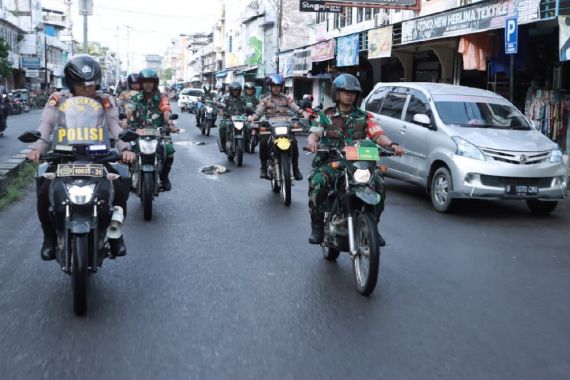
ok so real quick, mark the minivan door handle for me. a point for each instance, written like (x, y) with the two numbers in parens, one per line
(403, 130)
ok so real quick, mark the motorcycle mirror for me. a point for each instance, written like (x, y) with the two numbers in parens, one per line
(174, 116)
(122, 116)
(30, 137)
(128, 136)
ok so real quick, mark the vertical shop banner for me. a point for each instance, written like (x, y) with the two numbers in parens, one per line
(380, 43)
(254, 53)
(564, 37)
(323, 51)
(286, 65)
(347, 50)
(302, 61)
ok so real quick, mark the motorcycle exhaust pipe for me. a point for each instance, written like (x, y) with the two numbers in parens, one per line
(115, 229)
(351, 244)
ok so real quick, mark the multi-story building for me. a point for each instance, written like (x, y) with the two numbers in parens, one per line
(56, 52)
(201, 58)
(153, 61)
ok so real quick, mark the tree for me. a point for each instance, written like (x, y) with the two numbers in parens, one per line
(167, 75)
(5, 66)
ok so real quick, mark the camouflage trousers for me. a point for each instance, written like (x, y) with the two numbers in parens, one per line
(321, 181)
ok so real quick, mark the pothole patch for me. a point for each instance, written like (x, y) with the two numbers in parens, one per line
(214, 170)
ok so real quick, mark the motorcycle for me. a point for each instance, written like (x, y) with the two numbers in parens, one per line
(353, 211)
(280, 167)
(206, 117)
(251, 132)
(151, 148)
(81, 195)
(3, 114)
(235, 141)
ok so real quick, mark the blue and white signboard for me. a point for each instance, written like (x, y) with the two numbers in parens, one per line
(511, 35)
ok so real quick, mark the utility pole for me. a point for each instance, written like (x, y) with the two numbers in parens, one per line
(85, 9)
(85, 30)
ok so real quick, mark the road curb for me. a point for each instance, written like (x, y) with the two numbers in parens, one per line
(9, 168)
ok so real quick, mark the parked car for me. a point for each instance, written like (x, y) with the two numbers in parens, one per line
(464, 142)
(188, 98)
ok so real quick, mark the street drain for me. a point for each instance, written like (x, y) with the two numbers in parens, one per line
(186, 143)
(214, 170)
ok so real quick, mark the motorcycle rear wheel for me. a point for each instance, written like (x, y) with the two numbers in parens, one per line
(208, 127)
(366, 264)
(79, 272)
(146, 195)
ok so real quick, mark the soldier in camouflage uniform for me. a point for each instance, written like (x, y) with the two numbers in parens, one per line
(152, 110)
(276, 104)
(249, 96)
(231, 104)
(207, 99)
(125, 98)
(339, 126)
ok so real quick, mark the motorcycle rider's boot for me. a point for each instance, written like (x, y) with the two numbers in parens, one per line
(166, 185)
(118, 247)
(263, 172)
(296, 172)
(49, 244)
(317, 229)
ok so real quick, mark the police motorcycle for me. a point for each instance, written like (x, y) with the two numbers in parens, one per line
(151, 155)
(279, 165)
(235, 140)
(353, 209)
(82, 168)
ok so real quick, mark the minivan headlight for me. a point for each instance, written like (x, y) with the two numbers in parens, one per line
(555, 156)
(466, 149)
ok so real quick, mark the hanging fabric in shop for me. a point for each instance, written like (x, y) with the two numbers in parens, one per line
(286, 64)
(380, 43)
(347, 49)
(474, 48)
(564, 37)
(549, 110)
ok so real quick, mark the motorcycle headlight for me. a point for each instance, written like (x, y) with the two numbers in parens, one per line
(555, 156)
(209, 109)
(466, 149)
(362, 176)
(148, 146)
(238, 125)
(279, 131)
(80, 195)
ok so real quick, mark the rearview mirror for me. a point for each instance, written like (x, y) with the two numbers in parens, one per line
(422, 118)
(30, 137)
(174, 116)
(128, 135)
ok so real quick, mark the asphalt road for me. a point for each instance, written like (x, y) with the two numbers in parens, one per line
(9, 144)
(222, 284)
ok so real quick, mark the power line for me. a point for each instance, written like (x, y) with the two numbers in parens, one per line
(178, 15)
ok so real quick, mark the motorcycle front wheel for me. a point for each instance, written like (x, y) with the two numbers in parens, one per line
(239, 152)
(285, 178)
(146, 195)
(366, 264)
(208, 126)
(79, 272)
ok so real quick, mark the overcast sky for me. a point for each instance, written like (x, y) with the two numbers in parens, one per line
(152, 24)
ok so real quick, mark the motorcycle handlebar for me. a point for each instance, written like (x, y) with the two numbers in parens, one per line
(384, 152)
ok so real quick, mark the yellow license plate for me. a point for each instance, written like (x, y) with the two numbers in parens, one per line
(79, 170)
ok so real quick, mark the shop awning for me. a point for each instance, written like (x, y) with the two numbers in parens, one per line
(221, 74)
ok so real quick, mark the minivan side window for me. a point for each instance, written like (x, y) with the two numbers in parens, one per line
(375, 101)
(418, 104)
(394, 105)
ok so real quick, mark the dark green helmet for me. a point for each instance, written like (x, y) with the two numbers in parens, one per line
(249, 86)
(346, 82)
(148, 75)
(235, 86)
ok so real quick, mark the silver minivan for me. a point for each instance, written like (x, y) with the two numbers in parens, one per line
(464, 142)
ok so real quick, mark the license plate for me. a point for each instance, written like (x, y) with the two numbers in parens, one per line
(148, 132)
(521, 190)
(79, 170)
(354, 153)
(280, 119)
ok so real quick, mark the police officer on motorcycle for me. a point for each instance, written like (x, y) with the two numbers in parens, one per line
(231, 104)
(82, 74)
(276, 104)
(152, 109)
(339, 126)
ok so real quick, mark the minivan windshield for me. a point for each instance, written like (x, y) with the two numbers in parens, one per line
(481, 115)
(190, 92)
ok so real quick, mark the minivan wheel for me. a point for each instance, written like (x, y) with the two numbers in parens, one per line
(441, 187)
(537, 207)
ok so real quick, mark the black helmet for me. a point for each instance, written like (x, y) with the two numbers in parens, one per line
(132, 78)
(207, 88)
(275, 80)
(249, 86)
(82, 69)
(235, 86)
(148, 74)
(347, 82)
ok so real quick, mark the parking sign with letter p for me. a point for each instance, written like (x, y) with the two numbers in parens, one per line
(511, 35)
